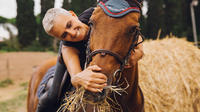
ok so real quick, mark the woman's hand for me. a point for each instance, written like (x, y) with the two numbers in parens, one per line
(90, 78)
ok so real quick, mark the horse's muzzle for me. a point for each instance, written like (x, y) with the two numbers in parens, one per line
(95, 97)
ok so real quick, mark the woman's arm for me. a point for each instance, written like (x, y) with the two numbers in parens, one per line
(71, 59)
(90, 80)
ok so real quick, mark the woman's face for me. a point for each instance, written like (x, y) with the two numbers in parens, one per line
(69, 28)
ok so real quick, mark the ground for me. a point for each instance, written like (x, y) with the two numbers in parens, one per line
(15, 71)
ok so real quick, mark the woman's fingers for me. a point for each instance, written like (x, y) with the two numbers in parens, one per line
(99, 81)
(94, 90)
(94, 68)
(92, 79)
(94, 84)
(98, 86)
(99, 76)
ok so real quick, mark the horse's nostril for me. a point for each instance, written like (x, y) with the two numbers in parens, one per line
(95, 97)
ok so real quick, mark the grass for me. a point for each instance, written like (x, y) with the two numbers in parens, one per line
(3, 51)
(12, 104)
(5, 83)
(18, 101)
(24, 85)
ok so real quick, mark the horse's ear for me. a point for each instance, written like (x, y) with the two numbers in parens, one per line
(139, 1)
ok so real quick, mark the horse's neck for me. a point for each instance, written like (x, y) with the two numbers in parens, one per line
(134, 99)
(131, 77)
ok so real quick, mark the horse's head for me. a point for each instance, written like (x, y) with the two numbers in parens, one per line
(110, 43)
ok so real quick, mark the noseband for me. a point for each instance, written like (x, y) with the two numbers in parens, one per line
(122, 60)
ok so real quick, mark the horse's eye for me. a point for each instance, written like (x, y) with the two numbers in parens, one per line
(133, 29)
(90, 23)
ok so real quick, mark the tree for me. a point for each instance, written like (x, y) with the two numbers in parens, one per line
(44, 39)
(66, 4)
(25, 22)
(186, 20)
(3, 20)
(173, 17)
(143, 25)
(78, 6)
(155, 19)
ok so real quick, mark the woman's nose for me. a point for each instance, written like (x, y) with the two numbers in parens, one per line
(71, 32)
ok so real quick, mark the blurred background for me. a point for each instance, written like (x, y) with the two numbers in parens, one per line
(24, 45)
(21, 29)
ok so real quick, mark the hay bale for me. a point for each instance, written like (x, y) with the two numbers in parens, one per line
(170, 76)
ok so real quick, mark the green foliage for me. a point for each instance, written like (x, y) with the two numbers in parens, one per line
(155, 20)
(5, 20)
(36, 46)
(25, 22)
(171, 16)
(173, 12)
(10, 45)
(185, 18)
(44, 39)
(5, 83)
(38, 19)
(12, 21)
(66, 4)
(143, 23)
(78, 6)
(197, 15)
(24, 85)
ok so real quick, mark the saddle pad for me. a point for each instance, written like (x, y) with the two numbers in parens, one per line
(118, 8)
(50, 73)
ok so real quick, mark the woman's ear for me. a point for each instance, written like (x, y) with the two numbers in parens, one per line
(72, 13)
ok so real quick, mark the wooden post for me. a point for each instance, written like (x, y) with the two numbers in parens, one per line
(193, 21)
(8, 68)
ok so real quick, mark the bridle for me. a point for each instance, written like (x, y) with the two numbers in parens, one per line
(122, 60)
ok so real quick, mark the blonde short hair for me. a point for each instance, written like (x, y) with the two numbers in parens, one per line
(51, 14)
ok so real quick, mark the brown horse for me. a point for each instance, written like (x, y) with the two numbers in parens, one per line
(110, 44)
(32, 99)
(111, 40)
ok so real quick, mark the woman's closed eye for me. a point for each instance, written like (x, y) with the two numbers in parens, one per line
(64, 35)
(69, 24)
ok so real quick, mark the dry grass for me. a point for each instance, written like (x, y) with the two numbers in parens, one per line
(170, 76)
(76, 100)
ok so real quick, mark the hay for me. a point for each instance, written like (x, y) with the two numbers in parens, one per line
(75, 100)
(170, 76)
